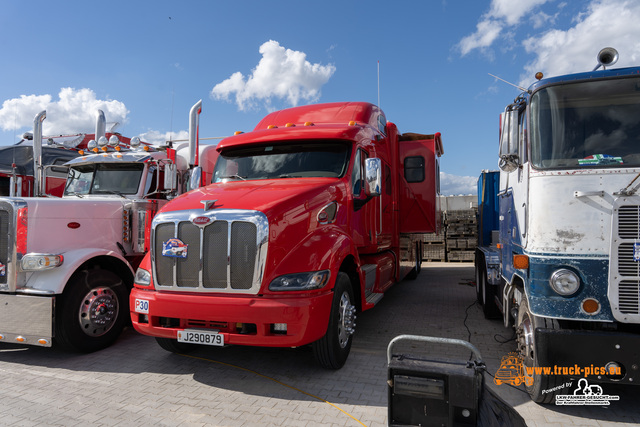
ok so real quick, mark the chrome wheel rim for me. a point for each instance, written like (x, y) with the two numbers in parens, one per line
(98, 311)
(346, 321)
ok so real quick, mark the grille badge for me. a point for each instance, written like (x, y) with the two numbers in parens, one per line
(201, 220)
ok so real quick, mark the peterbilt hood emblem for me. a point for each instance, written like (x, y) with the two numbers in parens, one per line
(174, 248)
(208, 204)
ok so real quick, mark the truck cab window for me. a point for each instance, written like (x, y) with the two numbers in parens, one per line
(318, 159)
(414, 169)
(572, 130)
(357, 177)
(104, 178)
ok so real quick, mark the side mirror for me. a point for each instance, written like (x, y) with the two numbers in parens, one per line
(196, 178)
(170, 177)
(373, 177)
(509, 160)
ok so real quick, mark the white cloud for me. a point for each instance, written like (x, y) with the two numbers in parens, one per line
(73, 112)
(281, 73)
(454, 185)
(502, 14)
(605, 23)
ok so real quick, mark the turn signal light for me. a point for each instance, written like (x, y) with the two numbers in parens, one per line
(520, 262)
(591, 306)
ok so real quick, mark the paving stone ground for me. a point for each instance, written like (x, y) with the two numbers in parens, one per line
(136, 383)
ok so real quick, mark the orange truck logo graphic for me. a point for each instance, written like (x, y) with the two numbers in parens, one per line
(511, 371)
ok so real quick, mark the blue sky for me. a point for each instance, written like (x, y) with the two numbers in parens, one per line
(145, 63)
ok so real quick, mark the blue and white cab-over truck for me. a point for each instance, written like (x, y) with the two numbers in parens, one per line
(559, 228)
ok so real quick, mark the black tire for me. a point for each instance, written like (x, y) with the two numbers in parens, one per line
(332, 350)
(174, 346)
(92, 311)
(489, 293)
(526, 325)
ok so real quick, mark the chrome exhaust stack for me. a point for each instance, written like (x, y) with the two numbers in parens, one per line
(194, 141)
(38, 179)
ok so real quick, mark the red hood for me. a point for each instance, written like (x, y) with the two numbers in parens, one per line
(261, 195)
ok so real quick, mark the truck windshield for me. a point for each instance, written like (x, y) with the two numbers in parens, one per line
(287, 160)
(591, 124)
(104, 178)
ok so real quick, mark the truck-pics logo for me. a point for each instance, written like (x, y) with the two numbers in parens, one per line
(174, 248)
(511, 371)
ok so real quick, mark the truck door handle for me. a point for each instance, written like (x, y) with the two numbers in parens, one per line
(588, 193)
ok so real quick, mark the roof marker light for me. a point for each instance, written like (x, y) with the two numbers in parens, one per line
(238, 132)
(308, 123)
(352, 123)
(539, 75)
(272, 127)
(290, 125)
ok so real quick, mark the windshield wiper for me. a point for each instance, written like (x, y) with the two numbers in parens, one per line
(244, 178)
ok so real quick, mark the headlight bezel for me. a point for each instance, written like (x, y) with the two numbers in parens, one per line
(565, 282)
(305, 281)
(142, 278)
(39, 262)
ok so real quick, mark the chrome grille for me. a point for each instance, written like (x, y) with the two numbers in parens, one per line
(624, 270)
(629, 296)
(629, 222)
(626, 265)
(226, 254)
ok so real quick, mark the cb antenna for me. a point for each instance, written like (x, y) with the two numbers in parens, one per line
(509, 83)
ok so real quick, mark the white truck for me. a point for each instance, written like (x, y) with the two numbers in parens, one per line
(67, 264)
(563, 265)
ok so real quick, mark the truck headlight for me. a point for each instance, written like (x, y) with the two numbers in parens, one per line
(300, 281)
(564, 282)
(37, 262)
(143, 278)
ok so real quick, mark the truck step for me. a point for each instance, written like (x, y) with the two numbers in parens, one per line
(374, 298)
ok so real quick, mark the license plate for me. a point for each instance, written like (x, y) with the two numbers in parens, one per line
(196, 336)
(142, 306)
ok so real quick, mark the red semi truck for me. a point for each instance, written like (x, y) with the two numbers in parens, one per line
(308, 219)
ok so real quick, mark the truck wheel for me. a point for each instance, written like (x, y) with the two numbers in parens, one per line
(526, 326)
(174, 346)
(332, 350)
(92, 311)
(489, 292)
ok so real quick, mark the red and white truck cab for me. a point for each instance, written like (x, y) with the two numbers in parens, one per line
(67, 264)
(309, 219)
